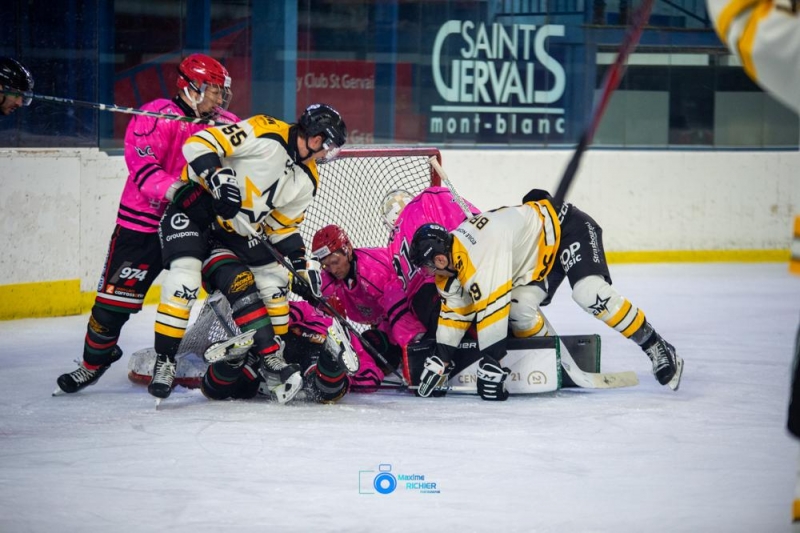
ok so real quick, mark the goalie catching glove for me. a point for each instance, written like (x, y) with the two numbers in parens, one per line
(225, 190)
(309, 286)
(492, 380)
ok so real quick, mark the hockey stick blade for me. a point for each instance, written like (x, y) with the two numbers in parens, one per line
(591, 380)
(610, 83)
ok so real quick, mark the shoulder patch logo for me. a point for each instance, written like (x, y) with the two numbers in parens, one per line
(145, 152)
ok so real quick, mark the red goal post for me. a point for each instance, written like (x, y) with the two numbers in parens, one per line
(353, 186)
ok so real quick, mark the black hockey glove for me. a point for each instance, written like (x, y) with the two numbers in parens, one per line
(309, 287)
(195, 203)
(492, 380)
(434, 375)
(225, 190)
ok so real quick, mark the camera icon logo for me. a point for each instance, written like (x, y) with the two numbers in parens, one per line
(385, 482)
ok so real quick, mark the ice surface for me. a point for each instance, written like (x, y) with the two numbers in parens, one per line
(712, 457)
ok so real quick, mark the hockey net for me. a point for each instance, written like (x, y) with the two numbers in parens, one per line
(353, 185)
(352, 188)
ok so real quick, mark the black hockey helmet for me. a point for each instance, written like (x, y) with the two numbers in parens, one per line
(322, 119)
(14, 76)
(429, 241)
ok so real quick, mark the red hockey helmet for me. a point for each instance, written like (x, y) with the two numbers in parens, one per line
(199, 71)
(330, 239)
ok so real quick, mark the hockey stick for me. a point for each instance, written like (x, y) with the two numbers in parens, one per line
(113, 108)
(588, 380)
(610, 83)
(449, 184)
(321, 301)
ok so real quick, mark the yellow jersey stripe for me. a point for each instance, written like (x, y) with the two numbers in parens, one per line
(745, 44)
(729, 14)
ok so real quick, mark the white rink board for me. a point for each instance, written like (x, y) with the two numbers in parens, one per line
(59, 206)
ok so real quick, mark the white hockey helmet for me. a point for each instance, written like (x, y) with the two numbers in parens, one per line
(392, 204)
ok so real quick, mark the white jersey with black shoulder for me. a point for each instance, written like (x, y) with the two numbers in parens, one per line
(492, 253)
(276, 190)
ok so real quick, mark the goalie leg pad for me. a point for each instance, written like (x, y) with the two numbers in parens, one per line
(524, 316)
(492, 380)
(598, 298)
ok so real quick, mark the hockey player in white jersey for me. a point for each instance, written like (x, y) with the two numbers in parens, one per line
(487, 269)
(261, 169)
(765, 36)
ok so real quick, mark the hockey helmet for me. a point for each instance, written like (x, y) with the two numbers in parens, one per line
(393, 203)
(322, 119)
(328, 240)
(429, 241)
(14, 76)
(198, 72)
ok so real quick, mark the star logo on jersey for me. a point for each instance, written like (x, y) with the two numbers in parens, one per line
(145, 152)
(187, 294)
(599, 306)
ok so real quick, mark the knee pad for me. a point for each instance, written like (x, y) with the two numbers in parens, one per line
(178, 293)
(182, 284)
(598, 298)
(525, 318)
(272, 282)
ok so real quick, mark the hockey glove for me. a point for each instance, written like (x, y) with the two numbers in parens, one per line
(225, 190)
(195, 203)
(309, 287)
(434, 374)
(492, 380)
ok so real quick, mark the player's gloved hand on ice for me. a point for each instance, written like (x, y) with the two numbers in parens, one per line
(193, 200)
(227, 199)
(434, 374)
(309, 287)
(492, 380)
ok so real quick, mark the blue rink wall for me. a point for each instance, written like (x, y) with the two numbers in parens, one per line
(59, 208)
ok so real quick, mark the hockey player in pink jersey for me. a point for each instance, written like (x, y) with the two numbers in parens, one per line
(153, 154)
(365, 283)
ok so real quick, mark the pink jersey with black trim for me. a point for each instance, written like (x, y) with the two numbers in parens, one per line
(305, 315)
(376, 297)
(434, 204)
(154, 156)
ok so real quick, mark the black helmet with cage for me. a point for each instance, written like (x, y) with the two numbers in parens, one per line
(15, 76)
(429, 241)
(322, 119)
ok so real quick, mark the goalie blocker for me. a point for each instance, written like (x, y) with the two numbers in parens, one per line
(534, 364)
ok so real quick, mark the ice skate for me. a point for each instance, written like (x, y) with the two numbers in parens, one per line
(283, 380)
(82, 377)
(233, 350)
(667, 364)
(163, 377)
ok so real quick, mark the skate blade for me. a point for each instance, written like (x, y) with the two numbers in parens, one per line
(158, 402)
(675, 382)
(58, 392)
(285, 392)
